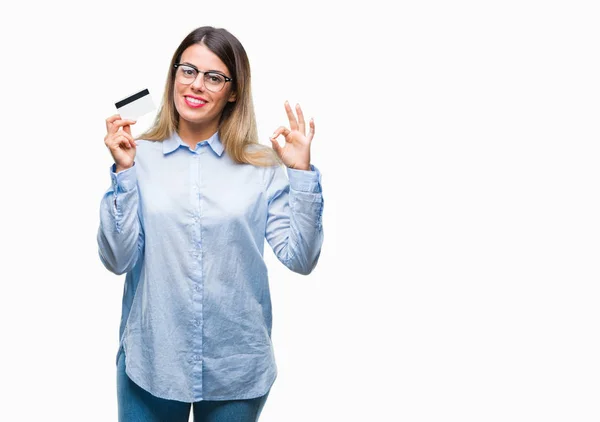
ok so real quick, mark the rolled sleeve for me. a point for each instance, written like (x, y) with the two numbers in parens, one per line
(305, 180)
(124, 181)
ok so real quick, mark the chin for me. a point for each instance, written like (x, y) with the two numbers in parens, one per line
(188, 115)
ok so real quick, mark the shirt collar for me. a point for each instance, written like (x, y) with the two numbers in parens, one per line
(174, 141)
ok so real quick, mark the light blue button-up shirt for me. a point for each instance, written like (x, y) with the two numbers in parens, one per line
(188, 228)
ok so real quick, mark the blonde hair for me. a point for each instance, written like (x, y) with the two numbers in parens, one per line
(237, 125)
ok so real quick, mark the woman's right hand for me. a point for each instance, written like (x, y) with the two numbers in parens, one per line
(120, 143)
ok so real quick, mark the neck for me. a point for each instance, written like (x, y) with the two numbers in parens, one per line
(191, 135)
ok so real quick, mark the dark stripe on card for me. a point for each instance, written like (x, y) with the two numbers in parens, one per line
(131, 99)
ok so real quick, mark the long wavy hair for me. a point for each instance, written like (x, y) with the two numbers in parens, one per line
(237, 124)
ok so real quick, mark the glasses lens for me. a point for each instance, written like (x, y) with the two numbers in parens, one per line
(214, 81)
(185, 74)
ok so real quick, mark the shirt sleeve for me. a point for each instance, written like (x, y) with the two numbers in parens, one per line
(294, 227)
(120, 235)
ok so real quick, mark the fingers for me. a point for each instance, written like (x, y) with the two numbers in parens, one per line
(126, 143)
(281, 130)
(114, 122)
(291, 117)
(121, 138)
(112, 119)
(124, 124)
(126, 140)
(311, 131)
(301, 124)
(276, 146)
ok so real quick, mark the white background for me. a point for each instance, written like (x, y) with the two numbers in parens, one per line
(458, 143)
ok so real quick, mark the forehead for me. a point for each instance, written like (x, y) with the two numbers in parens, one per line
(200, 56)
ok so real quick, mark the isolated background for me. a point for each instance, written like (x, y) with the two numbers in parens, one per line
(458, 143)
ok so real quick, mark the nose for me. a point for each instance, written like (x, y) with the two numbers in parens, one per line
(198, 83)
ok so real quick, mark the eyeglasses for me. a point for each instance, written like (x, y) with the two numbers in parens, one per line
(213, 81)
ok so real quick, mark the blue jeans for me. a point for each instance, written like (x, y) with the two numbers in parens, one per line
(137, 405)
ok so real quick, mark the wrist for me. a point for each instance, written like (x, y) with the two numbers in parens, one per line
(304, 167)
(119, 168)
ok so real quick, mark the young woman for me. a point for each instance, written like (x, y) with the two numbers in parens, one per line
(190, 205)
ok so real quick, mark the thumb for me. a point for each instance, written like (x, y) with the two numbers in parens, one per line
(276, 146)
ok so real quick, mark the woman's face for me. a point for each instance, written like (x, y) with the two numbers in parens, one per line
(204, 113)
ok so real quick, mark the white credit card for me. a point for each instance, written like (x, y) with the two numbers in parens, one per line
(135, 105)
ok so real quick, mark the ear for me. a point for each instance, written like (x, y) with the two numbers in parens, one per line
(232, 97)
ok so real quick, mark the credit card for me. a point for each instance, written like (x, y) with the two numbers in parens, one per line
(135, 105)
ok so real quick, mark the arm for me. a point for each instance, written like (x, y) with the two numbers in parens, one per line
(294, 222)
(120, 235)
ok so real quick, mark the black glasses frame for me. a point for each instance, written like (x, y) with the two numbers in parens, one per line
(227, 78)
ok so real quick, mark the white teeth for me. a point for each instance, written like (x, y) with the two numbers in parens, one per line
(195, 101)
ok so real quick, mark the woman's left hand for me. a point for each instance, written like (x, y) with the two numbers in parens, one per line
(296, 152)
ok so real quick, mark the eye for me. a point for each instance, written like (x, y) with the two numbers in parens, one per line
(215, 78)
(188, 71)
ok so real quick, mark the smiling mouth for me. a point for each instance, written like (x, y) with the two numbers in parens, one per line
(194, 100)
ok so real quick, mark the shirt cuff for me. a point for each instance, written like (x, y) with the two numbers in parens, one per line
(125, 180)
(305, 180)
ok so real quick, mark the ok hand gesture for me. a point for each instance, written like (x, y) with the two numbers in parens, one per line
(296, 152)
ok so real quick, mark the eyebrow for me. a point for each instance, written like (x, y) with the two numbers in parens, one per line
(211, 70)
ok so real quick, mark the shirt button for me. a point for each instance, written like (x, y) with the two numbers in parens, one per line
(197, 287)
